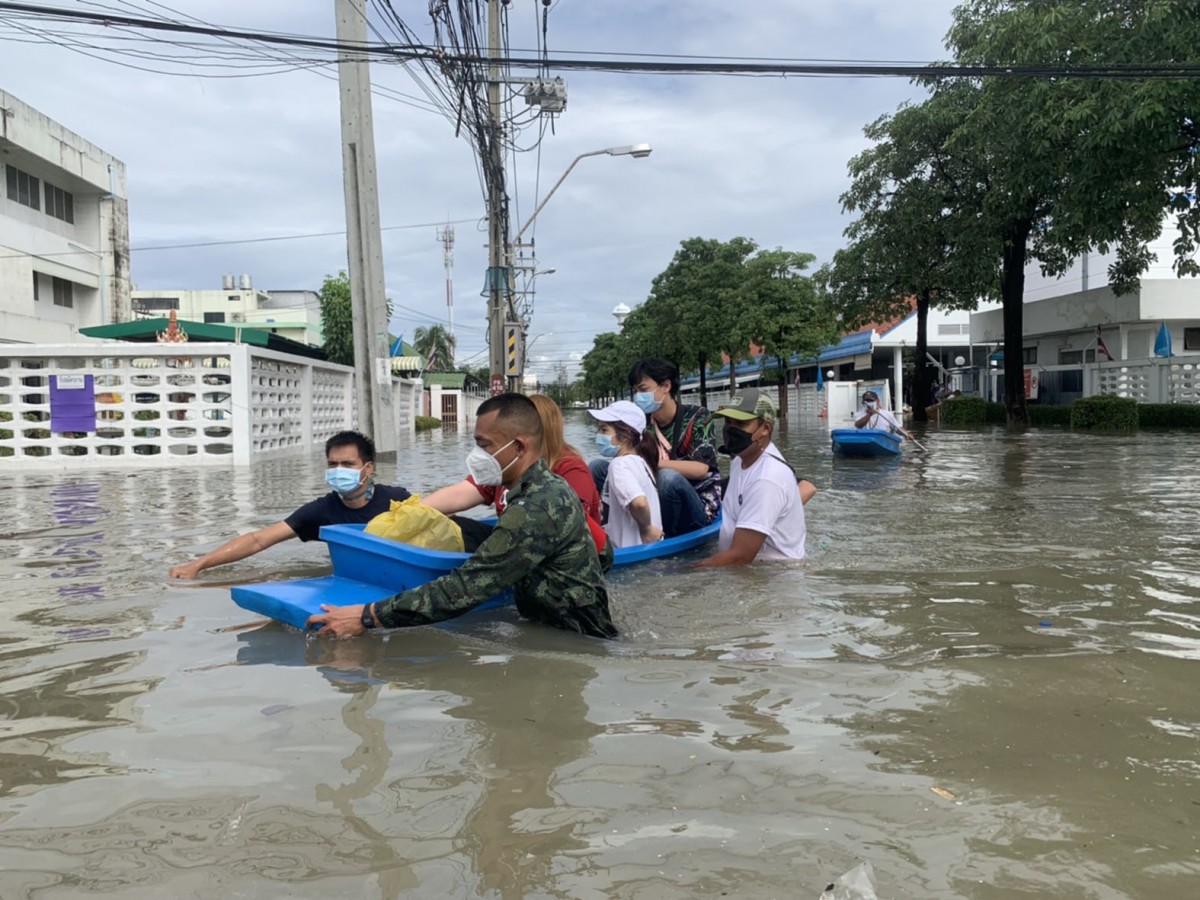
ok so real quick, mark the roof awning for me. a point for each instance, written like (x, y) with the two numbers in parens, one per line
(407, 364)
(146, 331)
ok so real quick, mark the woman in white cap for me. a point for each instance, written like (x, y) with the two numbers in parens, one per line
(634, 514)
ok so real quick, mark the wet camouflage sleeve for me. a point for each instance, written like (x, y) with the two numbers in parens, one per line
(541, 547)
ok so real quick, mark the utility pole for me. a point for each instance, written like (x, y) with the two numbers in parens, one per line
(364, 242)
(446, 236)
(497, 209)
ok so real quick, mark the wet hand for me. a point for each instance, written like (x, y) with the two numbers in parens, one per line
(188, 571)
(652, 535)
(338, 621)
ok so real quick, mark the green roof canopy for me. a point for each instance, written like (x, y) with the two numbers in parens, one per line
(146, 331)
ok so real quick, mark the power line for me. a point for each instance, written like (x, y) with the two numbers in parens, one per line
(439, 59)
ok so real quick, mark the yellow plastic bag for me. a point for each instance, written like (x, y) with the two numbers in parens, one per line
(411, 523)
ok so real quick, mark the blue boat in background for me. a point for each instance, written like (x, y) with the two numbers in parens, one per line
(367, 569)
(864, 442)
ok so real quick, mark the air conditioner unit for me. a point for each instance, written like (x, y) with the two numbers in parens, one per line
(237, 317)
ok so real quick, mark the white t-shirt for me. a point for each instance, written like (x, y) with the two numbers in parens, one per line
(765, 499)
(628, 478)
(880, 418)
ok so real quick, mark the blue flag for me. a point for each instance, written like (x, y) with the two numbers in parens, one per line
(820, 379)
(1162, 343)
(397, 348)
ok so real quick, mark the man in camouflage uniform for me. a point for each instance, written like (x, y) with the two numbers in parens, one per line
(541, 546)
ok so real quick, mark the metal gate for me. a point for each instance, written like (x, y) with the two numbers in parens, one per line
(449, 408)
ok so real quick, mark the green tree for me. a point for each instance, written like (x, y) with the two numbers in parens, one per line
(435, 339)
(906, 245)
(606, 366)
(336, 321)
(1073, 163)
(786, 314)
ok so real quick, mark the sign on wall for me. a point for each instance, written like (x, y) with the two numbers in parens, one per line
(72, 403)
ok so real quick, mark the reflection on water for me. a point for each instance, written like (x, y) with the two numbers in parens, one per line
(1013, 620)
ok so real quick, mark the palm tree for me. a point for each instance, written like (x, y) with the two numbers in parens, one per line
(436, 340)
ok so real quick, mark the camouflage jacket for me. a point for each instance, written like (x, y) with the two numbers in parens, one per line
(541, 547)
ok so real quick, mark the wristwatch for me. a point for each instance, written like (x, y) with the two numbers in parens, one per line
(368, 618)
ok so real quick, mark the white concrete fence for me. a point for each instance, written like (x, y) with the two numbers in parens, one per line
(189, 404)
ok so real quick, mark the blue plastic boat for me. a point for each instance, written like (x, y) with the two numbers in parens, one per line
(367, 568)
(864, 442)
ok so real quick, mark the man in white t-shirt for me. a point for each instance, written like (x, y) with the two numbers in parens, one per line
(762, 512)
(872, 415)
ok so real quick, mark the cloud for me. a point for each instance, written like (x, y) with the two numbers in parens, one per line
(218, 159)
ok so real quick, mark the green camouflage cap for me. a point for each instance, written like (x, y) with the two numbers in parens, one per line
(746, 405)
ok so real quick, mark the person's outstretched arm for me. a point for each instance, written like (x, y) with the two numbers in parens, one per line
(238, 548)
(454, 499)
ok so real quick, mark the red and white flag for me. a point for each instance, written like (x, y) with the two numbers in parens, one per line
(1101, 347)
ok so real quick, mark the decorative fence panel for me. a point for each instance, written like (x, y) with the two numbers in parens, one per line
(192, 404)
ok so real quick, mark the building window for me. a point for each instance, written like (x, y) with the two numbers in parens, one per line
(954, 328)
(234, 298)
(36, 287)
(214, 317)
(64, 294)
(23, 188)
(1076, 357)
(1029, 356)
(60, 203)
(1191, 339)
(155, 304)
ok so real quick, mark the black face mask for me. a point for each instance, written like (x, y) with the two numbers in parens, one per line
(736, 441)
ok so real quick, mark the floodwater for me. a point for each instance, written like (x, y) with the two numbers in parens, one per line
(983, 681)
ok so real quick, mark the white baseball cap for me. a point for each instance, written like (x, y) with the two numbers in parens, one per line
(622, 411)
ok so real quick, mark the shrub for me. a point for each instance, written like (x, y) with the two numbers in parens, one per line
(1106, 413)
(1049, 415)
(971, 411)
(428, 423)
(1169, 415)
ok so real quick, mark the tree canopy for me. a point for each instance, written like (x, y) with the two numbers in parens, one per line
(336, 322)
(435, 340)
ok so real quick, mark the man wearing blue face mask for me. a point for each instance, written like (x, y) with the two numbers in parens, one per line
(354, 498)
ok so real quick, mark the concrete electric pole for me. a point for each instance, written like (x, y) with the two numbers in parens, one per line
(364, 243)
(500, 356)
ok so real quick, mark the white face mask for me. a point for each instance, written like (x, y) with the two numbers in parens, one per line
(484, 468)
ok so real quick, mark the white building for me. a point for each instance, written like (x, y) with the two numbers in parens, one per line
(293, 314)
(1069, 322)
(64, 230)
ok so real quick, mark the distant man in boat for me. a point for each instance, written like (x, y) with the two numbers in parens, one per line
(688, 479)
(541, 546)
(762, 512)
(871, 415)
(354, 498)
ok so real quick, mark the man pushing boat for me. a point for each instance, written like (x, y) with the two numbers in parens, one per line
(541, 546)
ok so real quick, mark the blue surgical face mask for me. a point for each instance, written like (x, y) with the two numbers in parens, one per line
(646, 403)
(604, 444)
(344, 481)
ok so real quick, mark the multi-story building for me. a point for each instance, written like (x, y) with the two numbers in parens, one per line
(293, 314)
(64, 230)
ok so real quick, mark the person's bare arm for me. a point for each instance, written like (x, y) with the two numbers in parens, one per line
(453, 499)
(742, 551)
(639, 508)
(807, 490)
(688, 468)
(238, 548)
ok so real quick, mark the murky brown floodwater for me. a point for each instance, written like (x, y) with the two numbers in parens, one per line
(1014, 620)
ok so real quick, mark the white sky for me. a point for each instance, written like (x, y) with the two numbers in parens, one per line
(212, 159)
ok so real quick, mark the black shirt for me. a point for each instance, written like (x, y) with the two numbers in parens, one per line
(330, 510)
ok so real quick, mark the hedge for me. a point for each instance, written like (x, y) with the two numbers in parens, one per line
(1169, 415)
(971, 411)
(1105, 412)
(428, 423)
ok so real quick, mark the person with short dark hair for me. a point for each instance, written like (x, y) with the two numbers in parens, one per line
(354, 498)
(688, 479)
(541, 546)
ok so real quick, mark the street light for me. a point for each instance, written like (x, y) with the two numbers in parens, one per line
(637, 151)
